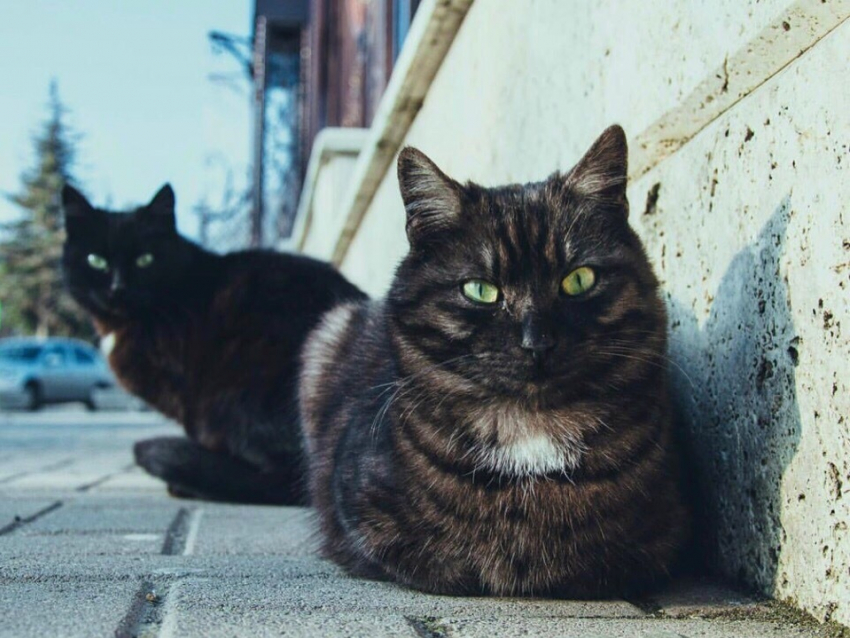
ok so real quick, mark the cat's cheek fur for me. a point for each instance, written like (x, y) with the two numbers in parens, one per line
(318, 353)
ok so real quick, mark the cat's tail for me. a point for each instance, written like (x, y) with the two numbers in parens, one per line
(195, 472)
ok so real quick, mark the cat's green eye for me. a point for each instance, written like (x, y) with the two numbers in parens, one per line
(579, 281)
(480, 291)
(144, 260)
(97, 262)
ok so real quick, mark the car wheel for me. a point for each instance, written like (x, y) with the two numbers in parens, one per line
(32, 392)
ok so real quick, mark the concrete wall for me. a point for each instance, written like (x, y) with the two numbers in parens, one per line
(331, 183)
(739, 115)
(321, 214)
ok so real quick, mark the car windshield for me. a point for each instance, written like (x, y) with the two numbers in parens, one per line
(23, 354)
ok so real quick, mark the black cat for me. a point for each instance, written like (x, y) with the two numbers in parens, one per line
(211, 341)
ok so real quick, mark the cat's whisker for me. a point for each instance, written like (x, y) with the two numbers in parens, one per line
(628, 353)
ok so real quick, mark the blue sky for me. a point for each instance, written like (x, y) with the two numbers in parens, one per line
(134, 76)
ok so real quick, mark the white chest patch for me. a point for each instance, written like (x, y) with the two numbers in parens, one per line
(528, 456)
(529, 443)
(107, 344)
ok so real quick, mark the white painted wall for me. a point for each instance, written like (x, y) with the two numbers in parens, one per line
(331, 184)
(740, 110)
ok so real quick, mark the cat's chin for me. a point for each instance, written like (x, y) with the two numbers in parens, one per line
(107, 307)
(535, 392)
(539, 392)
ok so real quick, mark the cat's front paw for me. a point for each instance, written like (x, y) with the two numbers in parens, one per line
(180, 492)
(159, 457)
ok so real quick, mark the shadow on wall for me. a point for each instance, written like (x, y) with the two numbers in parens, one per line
(736, 391)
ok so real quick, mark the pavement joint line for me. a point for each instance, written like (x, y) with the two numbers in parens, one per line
(427, 627)
(192, 531)
(85, 487)
(647, 605)
(177, 534)
(12, 477)
(20, 522)
(168, 627)
(145, 615)
(47, 468)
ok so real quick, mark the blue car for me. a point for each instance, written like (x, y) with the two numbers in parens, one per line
(35, 372)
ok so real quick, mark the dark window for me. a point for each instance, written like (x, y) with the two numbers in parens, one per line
(281, 171)
(403, 13)
(24, 354)
(83, 357)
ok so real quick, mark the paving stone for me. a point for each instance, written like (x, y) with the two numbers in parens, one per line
(27, 463)
(83, 568)
(66, 609)
(195, 609)
(607, 628)
(81, 473)
(58, 547)
(232, 530)
(705, 598)
(336, 593)
(75, 566)
(135, 480)
(14, 509)
(134, 515)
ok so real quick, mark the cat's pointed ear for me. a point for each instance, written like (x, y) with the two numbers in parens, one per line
(161, 207)
(77, 210)
(601, 174)
(74, 203)
(431, 198)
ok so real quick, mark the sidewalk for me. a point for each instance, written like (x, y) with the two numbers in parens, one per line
(90, 546)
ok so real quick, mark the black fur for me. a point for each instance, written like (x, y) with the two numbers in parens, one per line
(212, 341)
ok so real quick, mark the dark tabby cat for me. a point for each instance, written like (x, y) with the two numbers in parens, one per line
(211, 341)
(500, 424)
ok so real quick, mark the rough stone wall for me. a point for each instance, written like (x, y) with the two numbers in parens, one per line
(749, 229)
(746, 224)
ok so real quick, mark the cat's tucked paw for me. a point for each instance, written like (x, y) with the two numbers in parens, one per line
(159, 457)
(179, 492)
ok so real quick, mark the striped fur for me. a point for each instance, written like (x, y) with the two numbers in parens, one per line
(443, 455)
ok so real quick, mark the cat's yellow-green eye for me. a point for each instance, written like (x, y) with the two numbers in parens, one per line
(579, 281)
(97, 262)
(144, 261)
(481, 291)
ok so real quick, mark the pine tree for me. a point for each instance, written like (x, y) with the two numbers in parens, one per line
(31, 288)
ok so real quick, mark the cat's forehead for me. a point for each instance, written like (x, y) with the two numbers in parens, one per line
(116, 230)
(529, 228)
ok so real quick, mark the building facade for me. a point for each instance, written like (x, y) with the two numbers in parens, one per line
(316, 64)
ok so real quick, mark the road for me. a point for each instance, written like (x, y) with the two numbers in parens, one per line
(91, 546)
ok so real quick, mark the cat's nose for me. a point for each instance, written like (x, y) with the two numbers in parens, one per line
(537, 336)
(118, 285)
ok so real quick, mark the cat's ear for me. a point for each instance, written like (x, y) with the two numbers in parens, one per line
(601, 174)
(74, 203)
(431, 198)
(161, 207)
(77, 210)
